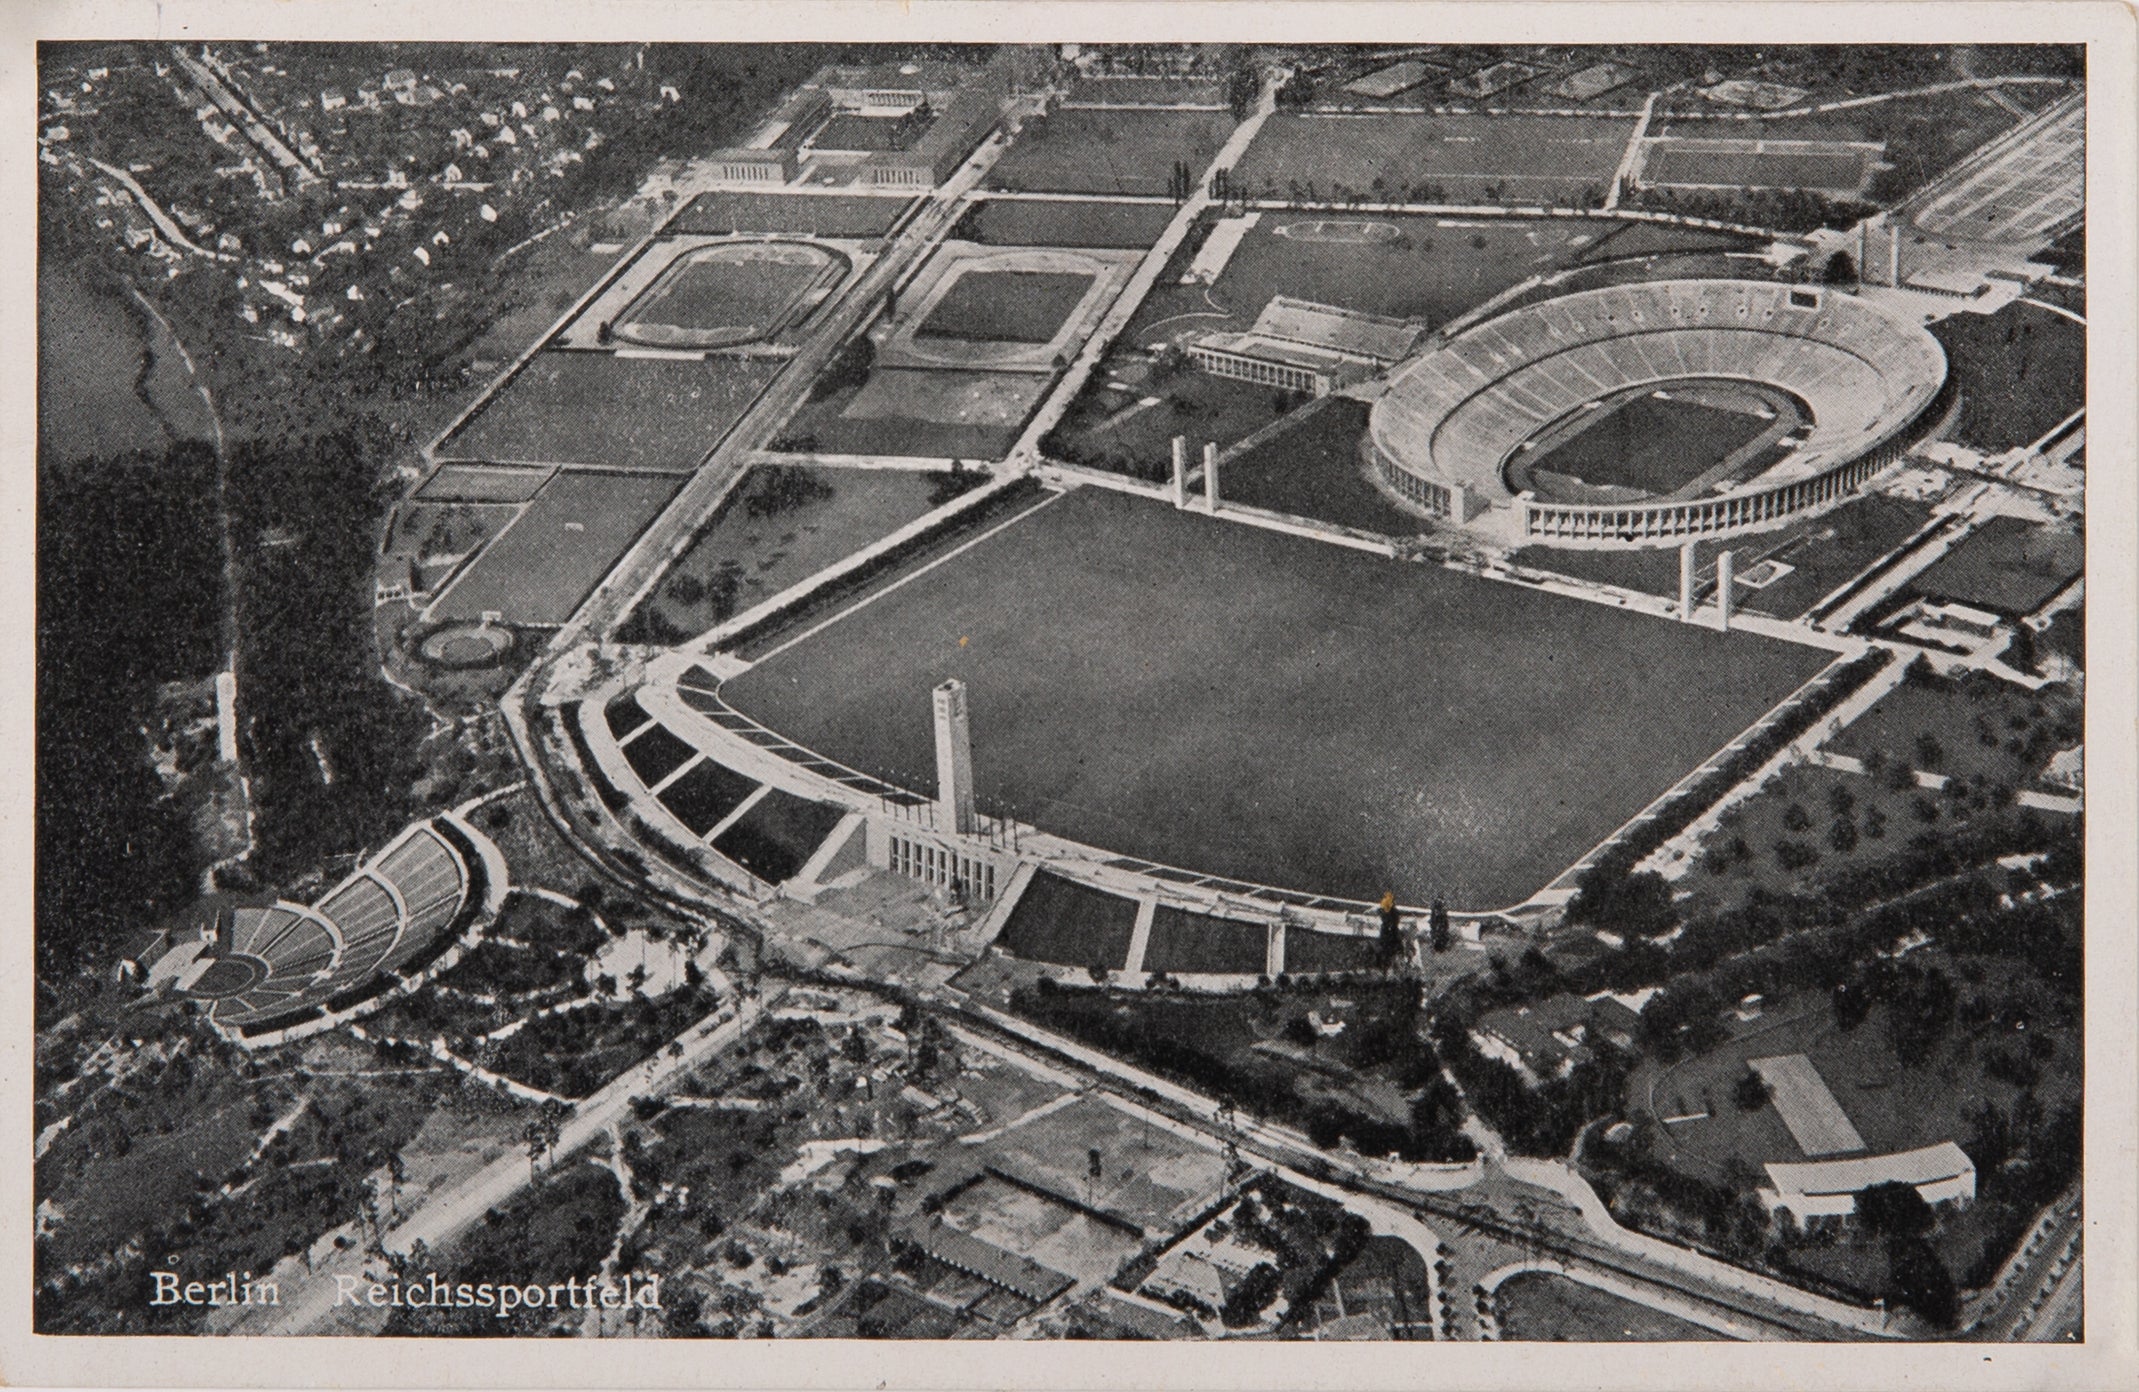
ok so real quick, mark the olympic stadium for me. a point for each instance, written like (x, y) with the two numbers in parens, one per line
(1787, 398)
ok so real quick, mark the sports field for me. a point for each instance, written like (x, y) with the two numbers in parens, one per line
(1647, 445)
(1435, 268)
(929, 414)
(542, 565)
(1055, 222)
(1006, 306)
(1565, 160)
(602, 408)
(1828, 168)
(1539, 1306)
(2008, 565)
(725, 294)
(817, 215)
(1081, 150)
(483, 483)
(1274, 709)
(2020, 371)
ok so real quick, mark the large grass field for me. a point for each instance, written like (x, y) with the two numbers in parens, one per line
(1460, 159)
(1081, 150)
(927, 414)
(1274, 709)
(1055, 222)
(1707, 164)
(1538, 1306)
(761, 542)
(816, 215)
(540, 568)
(595, 408)
(1312, 469)
(1650, 444)
(2021, 371)
(2008, 565)
(1006, 306)
(1434, 269)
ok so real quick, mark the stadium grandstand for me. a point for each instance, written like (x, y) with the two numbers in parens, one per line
(271, 972)
(1456, 417)
(1306, 347)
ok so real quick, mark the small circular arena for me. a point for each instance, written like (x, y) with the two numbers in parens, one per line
(1652, 414)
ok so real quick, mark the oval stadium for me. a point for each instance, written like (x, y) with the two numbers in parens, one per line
(1649, 414)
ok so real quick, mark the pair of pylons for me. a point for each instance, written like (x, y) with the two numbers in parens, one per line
(1180, 473)
(1725, 578)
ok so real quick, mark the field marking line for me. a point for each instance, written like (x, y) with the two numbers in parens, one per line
(905, 580)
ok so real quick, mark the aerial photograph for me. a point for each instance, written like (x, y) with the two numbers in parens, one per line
(1102, 691)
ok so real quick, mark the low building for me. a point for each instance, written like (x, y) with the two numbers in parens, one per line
(1297, 345)
(1828, 1189)
(745, 166)
(1546, 1039)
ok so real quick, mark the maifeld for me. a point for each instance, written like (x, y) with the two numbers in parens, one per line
(439, 1293)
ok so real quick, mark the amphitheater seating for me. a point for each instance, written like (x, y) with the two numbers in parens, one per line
(1455, 414)
(384, 915)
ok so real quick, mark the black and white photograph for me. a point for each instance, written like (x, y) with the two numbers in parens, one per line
(1047, 681)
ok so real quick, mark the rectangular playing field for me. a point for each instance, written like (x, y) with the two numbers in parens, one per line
(540, 568)
(816, 215)
(1083, 150)
(1261, 706)
(604, 409)
(1460, 159)
(1056, 222)
(1654, 444)
(1006, 306)
(2008, 565)
(1835, 169)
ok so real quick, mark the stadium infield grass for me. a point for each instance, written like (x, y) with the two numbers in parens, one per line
(1256, 705)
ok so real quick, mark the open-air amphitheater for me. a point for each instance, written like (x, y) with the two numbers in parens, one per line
(278, 971)
(1454, 419)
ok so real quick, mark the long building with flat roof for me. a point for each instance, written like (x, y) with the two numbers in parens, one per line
(1941, 1173)
(1302, 346)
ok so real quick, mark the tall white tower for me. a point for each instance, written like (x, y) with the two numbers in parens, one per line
(954, 757)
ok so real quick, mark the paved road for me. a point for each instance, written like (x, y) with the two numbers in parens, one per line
(446, 1213)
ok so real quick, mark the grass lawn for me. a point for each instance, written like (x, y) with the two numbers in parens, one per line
(1069, 924)
(1433, 269)
(1308, 952)
(706, 794)
(1652, 445)
(1006, 306)
(1541, 1307)
(816, 215)
(1822, 552)
(596, 408)
(1504, 159)
(539, 569)
(1976, 726)
(1896, 1104)
(776, 837)
(1191, 942)
(1828, 171)
(720, 288)
(1054, 222)
(754, 549)
(1273, 709)
(1313, 469)
(2021, 371)
(2008, 565)
(924, 414)
(1088, 151)
(484, 483)
(1112, 429)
